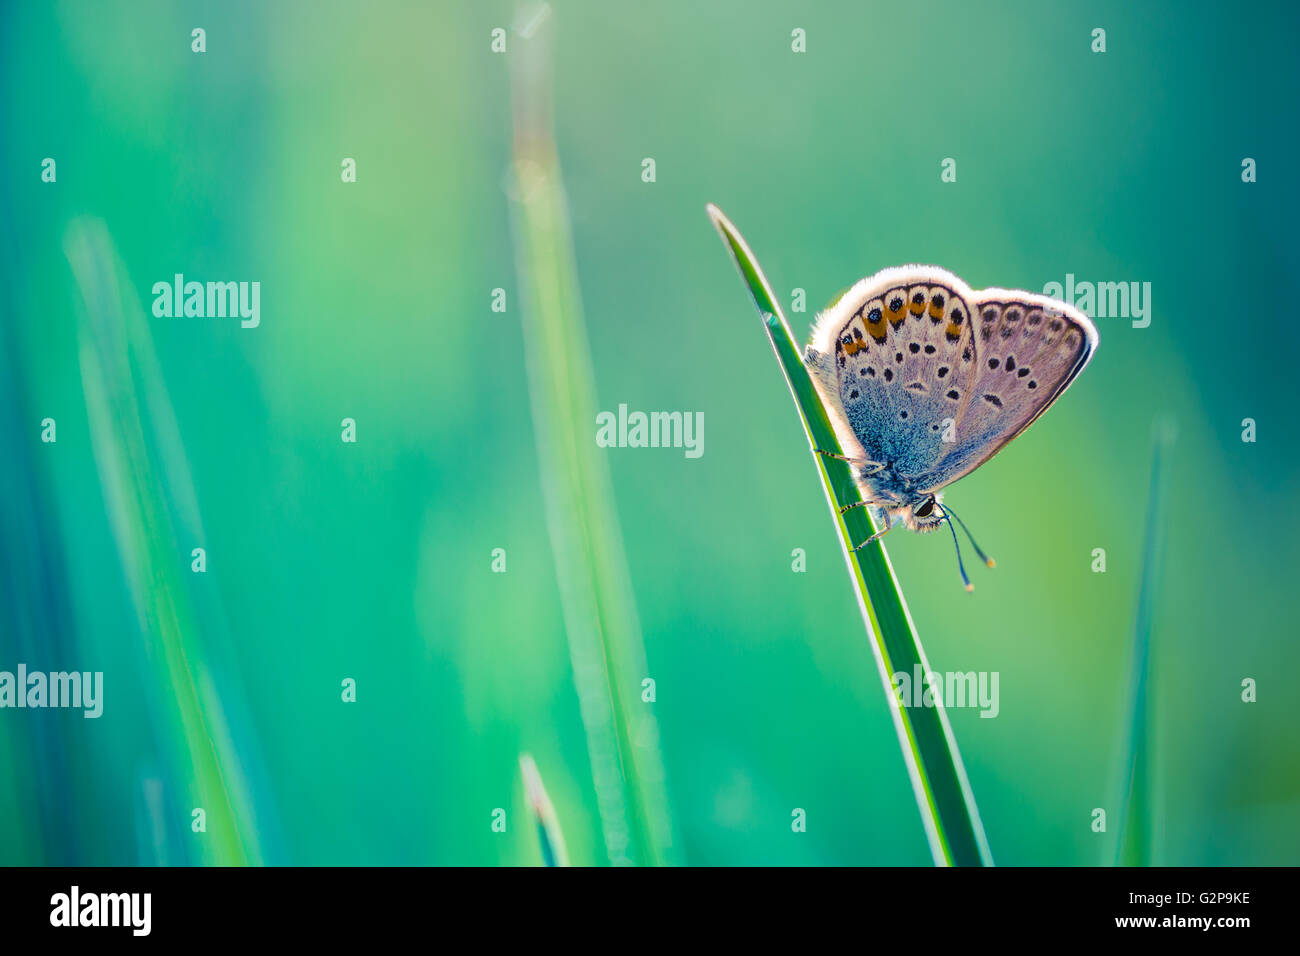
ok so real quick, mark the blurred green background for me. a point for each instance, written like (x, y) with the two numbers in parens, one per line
(373, 560)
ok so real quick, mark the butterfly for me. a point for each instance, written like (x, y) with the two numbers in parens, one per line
(924, 380)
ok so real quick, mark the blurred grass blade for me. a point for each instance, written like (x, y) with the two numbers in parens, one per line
(554, 852)
(943, 793)
(1133, 840)
(38, 622)
(155, 823)
(600, 617)
(149, 496)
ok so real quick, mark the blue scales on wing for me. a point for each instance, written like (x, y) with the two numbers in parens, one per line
(894, 356)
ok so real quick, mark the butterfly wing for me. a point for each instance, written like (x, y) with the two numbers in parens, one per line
(887, 360)
(1027, 350)
(930, 379)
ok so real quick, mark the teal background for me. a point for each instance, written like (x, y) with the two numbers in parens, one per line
(373, 561)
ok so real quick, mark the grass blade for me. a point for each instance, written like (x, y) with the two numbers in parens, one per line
(1133, 840)
(554, 852)
(600, 616)
(943, 793)
(148, 496)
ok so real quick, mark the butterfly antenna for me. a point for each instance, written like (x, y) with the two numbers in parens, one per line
(960, 567)
(978, 550)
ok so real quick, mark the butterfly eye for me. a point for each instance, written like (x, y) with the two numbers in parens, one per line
(918, 298)
(873, 315)
(895, 304)
(926, 509)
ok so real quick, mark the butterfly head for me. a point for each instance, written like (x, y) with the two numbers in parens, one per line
(923, 513)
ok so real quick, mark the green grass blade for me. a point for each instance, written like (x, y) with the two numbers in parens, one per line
(600, 617)
(148, 495)
(1134, 837)
(549, 835)
(943, 793)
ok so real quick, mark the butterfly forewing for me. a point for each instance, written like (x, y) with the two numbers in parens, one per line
(891, 351)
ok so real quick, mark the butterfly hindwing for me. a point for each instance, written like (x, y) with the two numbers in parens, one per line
(1028, 349)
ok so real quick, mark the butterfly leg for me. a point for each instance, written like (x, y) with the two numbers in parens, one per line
(837, 456)
(879, 534)
(868, 467)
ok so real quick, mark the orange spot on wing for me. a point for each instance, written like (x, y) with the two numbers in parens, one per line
(877, 329)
